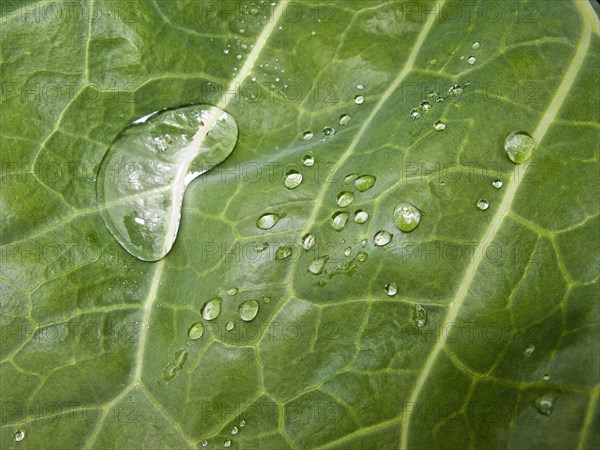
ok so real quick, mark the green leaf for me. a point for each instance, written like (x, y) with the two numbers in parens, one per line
(491, 339)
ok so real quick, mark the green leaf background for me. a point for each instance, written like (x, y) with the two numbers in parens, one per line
(330, 361)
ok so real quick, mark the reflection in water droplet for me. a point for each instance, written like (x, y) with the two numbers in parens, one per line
(359, 99)
(497, 184)
(229, 326)
(232, 291)
(472, 60)
(414, 113)
(234, 430)
(283, 252)
(292, 179)
(316, 266)
(307, 135)
(365, 182)
(19, 435)
(361, 216)
(439, 125)
(328, 131)
(407, 217)
(362, 256)
(420, 316)
(345, 119)
(308, 160)
(529, 350)
(338, 220)
(227, 443)
(544, 404)
(248, 310)
(382, 238)
(212, 309)
(483, 204)
(475, 45)
(267, 221)
(519, 146)
(344, 198)
(196, 331)
(145, 173)
(308, 241)
(391, 289)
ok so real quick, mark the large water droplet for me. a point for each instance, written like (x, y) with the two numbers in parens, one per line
(248, 310)
(519, 146)
(472, 60)
(359, 99)
(328, 131)
(382, 238)
(292, 179)
(308, 241)
(307, 135)
(196, 331)
(483, 204)
(544, 404)
(420, 316)
(345, 119)
(148, 167)
(283, 252)
(391, 289)
(407, 217)
(267, 221)
(361, 216)
(234, 430)
(19, 435)
(308, 160)
(529, 350)
(212, 309)
(439, 125)
(365, 182)
(338, 220)
(316, 266)
(176, 365)
(344, 198)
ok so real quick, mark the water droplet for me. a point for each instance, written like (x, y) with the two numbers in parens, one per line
(391, 289)
(248, 310)
(262, 247)
(226, 51)
(365, 182)
(347, 251)
(414, 113)
(529, 350)
(439, 125)
(382, 238)
(350, 178)
(204, 443)
(497, 184)
(344, 198)
(544, 404)
(483, 204)
(227, 442)
(238, 56)
(196, 331)
(308, 160)
(433, 61)
(307, 135)
(359, 99)
(176, 365)
(425, 105)
(476, 45)
(242, 423)
(266, 299)
(455, 91)
(267, 221)
(338, 220)
(229, 326)
(345, 119)
(292, 179)
(316, 266)
(212, 309)
(232, 291)
(283, 252)
(19, 435)
(472, 60)
(308, 241)
(364, 243)
(407, 217)
(148, 167)
(234, 430)
(360, 86)
(519, 146)
(361, 216)
(420, 316)
(546, 377)
(328, 131)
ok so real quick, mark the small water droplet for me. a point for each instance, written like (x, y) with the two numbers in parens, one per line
(347, 251)
(364, 243)
(391, 289)
(360, 86)
(308, 241)
(248, 310)
(433, 61)
(365, 182)
(362, 256)
(238, 56)
(204, 443)
(227, 442)
(267, 221)
(262, 247)
(226, 51)
(420, 316)
(308, 160)
(546, 377)
(519, 146)
(407, 217)
(350, 178)
(455, 91)
(234, 430)
(328, 131)
(307, 135)
(292, 179)
(316, 266)
(196, 331)
(476, 45)
(283, 252)
(414, 113)
(359, 99)
(266, 299)
(425, 105)
(242, 423)
(345, 198)
(338, 220)
(361, 216)
(232, 291)
(483, 204)
(19, 435)
(439, 125)
(229, 326)
(497, 184)
(382, 238)
(472, 60)
(529, 350)
(544, 404)
(345, 119)
(212, 309)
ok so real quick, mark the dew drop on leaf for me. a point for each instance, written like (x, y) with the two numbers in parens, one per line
(232, 291)
(308, 241)
(316, 266)
(362, 256)
(365, 182)
(546, 377)
(248, 310)
(283, 252)
(455, 91)
(407, 217)
(439, 125)
(360, 86)
(482, 204)
(382, 238)
(308, 160)
(328, 131)
(176, 365)
(267, 221)
(425, 105)
(196, 331)
(350, 178)
(292, 179)
(204, 443)
(544, 404)
(307, 135)
(420, 316)
(229, 326)
(19, 435)
(519, 146)
(414, 113)
(529, 350)
(472, 60)
(227, 443)
(359, 99)
(345, 198)
(476, 45)
(242, 423)
(212, 309)
(347, 251)
(361, 216)
(497, 184)
(234, 430)
(338, 220)
(391, 289)
(345, 119)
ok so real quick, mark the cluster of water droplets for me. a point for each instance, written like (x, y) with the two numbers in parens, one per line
(227, 442)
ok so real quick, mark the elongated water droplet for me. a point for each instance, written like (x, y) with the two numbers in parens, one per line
(364, 243)
(328, 131)
(529, 350)
(407, 217)
(345, 119)
(359, 99)
(420, 316)
(360, 86)
(382, 238)
(544, 404)
(344, 198)
(176, 365)
(307, 135)
(227, 443)
(455, 91)
(472, 60)
(19, 435)
(391, 289)
(476, 45)
(232, 291)
(283, 252)
(350, 178)
(234, 430)
(248, 310)
(267, 221)
(196, 331)
(338, 220)
(497, 184)
(483, 204)
(148, 167)
(361, 216)
(212, 309)
(362, 256)
(316, 266)
(242, 423)
(425, 105)
(347, 251)
(365, 182)
(308, 241)
(229, 326)
(414, 113)
(308, 160)
(519, 146)
(292, 179)
(439, 125)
